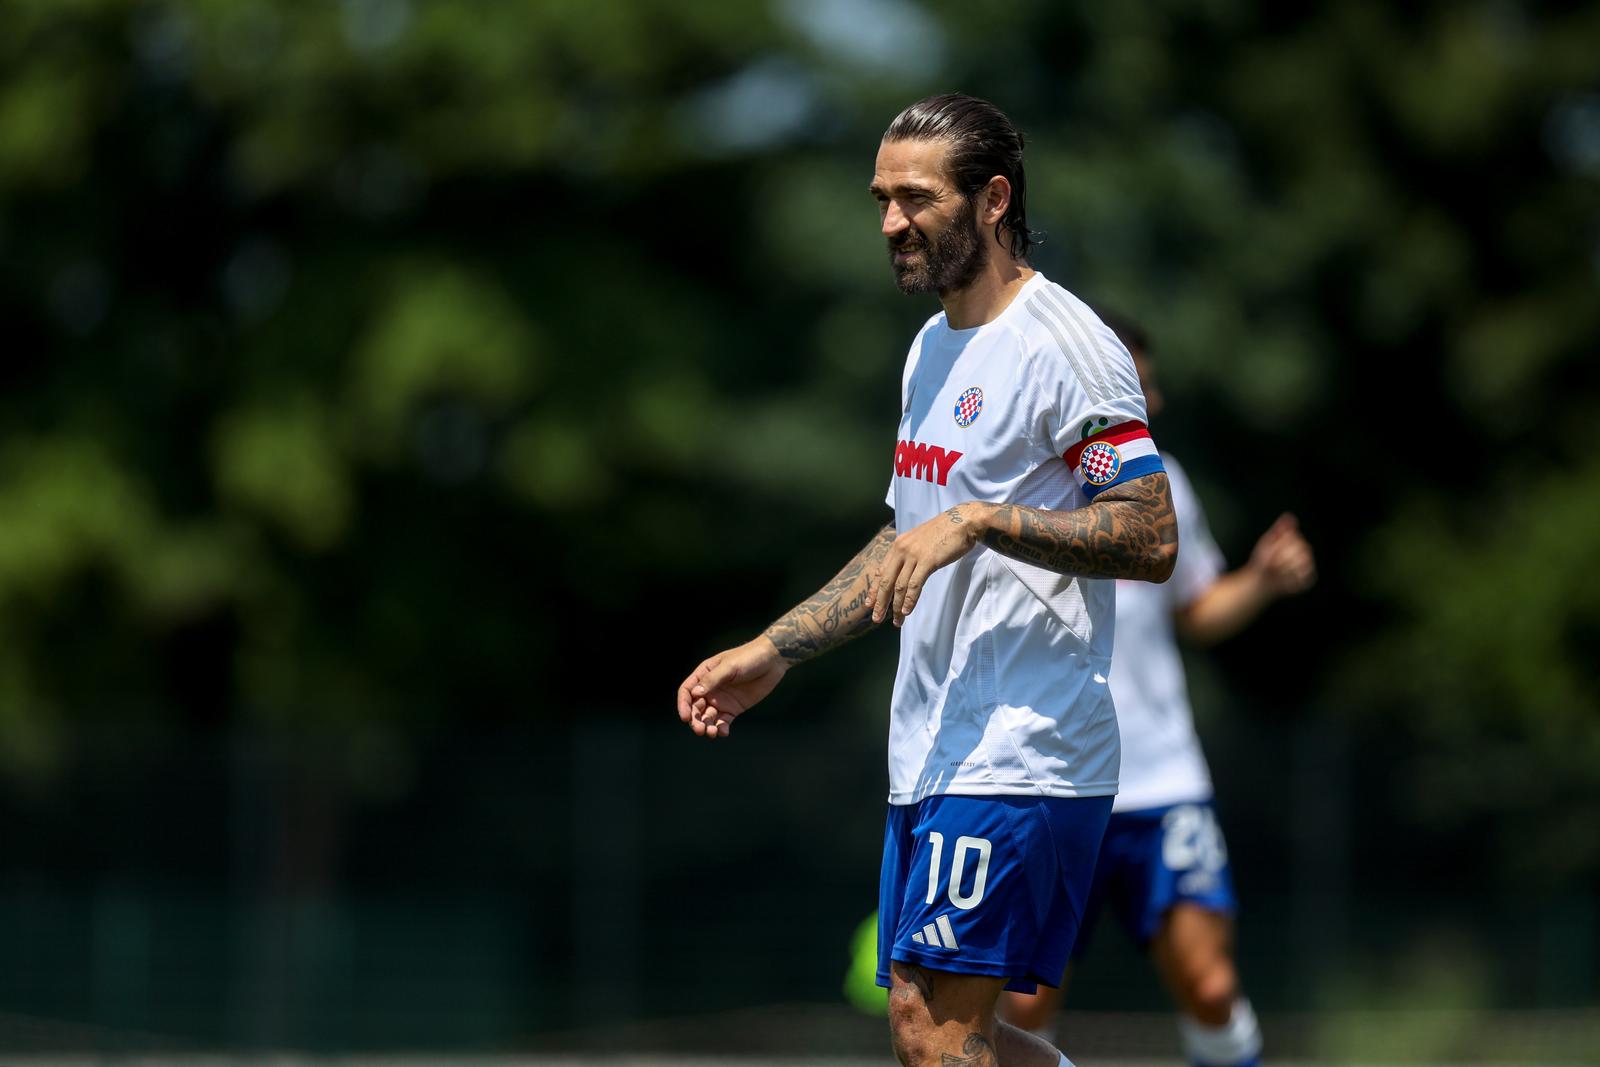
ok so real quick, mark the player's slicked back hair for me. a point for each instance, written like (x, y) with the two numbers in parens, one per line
(983, 143)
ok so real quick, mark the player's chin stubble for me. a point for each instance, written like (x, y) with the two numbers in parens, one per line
(950, 263)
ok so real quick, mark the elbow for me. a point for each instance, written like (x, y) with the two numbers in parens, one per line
(1164, 556)
(1162, 562)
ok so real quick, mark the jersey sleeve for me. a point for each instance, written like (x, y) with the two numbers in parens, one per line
(1200, 561)
(1093, 410)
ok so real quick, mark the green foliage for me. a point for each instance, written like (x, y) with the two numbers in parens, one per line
(417, 349)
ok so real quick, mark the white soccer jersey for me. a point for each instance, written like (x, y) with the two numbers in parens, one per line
(1161, 759)
(1003, 665)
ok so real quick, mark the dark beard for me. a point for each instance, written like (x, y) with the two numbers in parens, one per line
(949, 264)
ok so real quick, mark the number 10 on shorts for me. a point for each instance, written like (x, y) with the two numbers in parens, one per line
(964, 848)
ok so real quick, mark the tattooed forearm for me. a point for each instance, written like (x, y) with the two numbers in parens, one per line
(1128, 532)
(835, 613)
(976, 1051)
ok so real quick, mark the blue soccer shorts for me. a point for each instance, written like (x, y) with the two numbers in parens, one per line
(1155, 858)
(990, 885)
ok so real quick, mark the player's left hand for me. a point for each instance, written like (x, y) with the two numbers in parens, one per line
(915, 555)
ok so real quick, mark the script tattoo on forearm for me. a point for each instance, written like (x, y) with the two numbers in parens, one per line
(835, 613)
(1128, 532)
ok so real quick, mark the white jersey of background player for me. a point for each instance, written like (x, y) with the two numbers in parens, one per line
(1161, 759)
(1163, 867)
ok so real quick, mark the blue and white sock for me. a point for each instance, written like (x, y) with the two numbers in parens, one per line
(1236, 1043)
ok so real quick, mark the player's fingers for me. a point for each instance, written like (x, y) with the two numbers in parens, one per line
(711, 711)
(687, 693)
(720, 726)
(919, 578)
(1293, 557)
(902, 582)
(1295, 567)
(695, 683)
(883, 588)
(1284, 528)
(719, 672)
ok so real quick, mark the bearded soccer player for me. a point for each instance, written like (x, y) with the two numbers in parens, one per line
(1163, 866)
(1010, 523)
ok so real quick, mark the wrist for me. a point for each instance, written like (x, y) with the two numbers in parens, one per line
(980, 518)
(767, 646)
(1259, 587)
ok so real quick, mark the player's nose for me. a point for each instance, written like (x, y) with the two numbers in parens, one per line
(894, 220)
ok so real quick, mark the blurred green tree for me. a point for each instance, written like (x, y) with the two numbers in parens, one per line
(422, 352)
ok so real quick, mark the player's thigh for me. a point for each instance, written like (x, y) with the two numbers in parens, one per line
(1193, 951)
(1178, 856)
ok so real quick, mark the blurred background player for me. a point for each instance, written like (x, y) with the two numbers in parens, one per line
(1163, 864)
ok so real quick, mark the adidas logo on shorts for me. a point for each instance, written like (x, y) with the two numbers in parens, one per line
(937, 934)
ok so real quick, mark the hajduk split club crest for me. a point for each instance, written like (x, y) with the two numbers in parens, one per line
(1101, 461)
(967, 407)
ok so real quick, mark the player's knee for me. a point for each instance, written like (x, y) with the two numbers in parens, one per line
(1211, 992)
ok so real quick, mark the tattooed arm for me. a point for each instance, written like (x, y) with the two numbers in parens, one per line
(1127, 532)
(729, 683)
(835, 613)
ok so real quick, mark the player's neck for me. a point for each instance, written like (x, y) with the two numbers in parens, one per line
(1001, 279)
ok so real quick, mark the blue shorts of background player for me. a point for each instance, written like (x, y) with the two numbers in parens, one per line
(987, 885)
(1154, 858)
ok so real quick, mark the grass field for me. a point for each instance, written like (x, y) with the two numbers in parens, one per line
(795, 1034)
(272, 1060)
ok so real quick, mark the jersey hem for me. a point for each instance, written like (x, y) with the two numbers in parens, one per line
(955, 965)
(1137, 802)
(901, 798)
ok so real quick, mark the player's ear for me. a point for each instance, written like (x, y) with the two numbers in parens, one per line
(996, 200)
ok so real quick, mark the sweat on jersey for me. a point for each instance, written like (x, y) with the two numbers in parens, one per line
(1002, 685)
(1161, 759)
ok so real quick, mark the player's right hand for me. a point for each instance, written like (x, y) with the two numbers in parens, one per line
(727, 685)
(1283, 559)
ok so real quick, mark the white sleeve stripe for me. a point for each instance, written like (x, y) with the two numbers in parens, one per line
(1086, 332)
(1113, 357)
(1097, 393)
